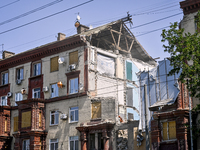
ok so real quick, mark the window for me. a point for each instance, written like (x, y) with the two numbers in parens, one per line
(73, 142)
(54, 90)
(18, 97)
(36, 93)
(26, 119)
(73, 85)
(54, 117)
(73, 58)
(93, 141)
(73, 114)
(20, 73)
(54, 64)
(105, 65)
(36, 69)
(4, 101)
(96, 110)
(4, 77)
(128, 70)
(169, 130)
(15, 128)
(26, 144)
(53, 144)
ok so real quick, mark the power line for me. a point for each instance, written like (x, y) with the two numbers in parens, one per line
(30, 12)
(46, 17)
(9, 4)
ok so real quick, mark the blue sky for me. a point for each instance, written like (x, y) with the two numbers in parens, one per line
(95, 13)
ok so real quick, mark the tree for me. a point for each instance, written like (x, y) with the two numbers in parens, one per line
(184, 49)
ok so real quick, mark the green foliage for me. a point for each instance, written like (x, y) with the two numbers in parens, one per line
(184, 49)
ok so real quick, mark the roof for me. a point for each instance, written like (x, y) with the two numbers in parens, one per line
(117, 36)
(156, 106)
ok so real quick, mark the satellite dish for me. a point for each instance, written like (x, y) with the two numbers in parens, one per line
(61, 60)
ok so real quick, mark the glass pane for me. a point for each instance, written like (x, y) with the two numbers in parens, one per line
(76, 85)
(39, 68)
(72, 115)
(56, 146)
(56, 90)
(129, 70)
(35, 70)
(52, 146)
(76, 115)
(71, 145)
(71, 86)
(57, 118)
(73, 108)
(21, 73)
(76, 145)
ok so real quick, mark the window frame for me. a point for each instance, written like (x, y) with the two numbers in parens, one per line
(55, 114)
(33, 68)
(73, 109)
(50, 142)
(21, 77)
(74, 86)
(2, 78)
(54, 93)
(33, 92)
(167, 130)
(17, 96)
(27, 146)
(74, 140)
(6, 101)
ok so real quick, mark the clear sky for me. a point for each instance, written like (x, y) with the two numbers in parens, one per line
(41, 20)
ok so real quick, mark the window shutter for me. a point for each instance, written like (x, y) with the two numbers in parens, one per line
(96, 110)
(73, 57)
(129, 71)
(172, 130)
(26, 119)
(54, 64)
(130, 97)
(165, 137)
(15, 124)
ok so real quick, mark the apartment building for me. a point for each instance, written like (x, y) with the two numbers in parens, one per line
(71, 93)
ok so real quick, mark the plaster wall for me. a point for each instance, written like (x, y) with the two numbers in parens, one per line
(14, 88)
(60, 75)
(65, 129)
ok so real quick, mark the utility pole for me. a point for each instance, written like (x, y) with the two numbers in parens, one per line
(145, 114)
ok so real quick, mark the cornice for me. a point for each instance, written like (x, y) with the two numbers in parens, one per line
(190, 6)
(40, 52)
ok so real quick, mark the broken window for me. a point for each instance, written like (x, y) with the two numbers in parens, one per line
(73, 57)
(54, 64)
(96, 110)
(106, 65)
(169, 130)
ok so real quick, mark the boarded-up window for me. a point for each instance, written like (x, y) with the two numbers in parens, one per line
(6, 123)
(15, 124)
(73, 57)
(26, 119)
(96, 110)
(54, 64)
(129, 70)
(169, 130)
(40, 119)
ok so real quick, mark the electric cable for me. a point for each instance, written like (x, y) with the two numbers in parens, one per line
(30, 12)
(46, 17)
(9, 4)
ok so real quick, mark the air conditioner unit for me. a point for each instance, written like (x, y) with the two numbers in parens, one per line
(45, 89)
(72, 67)
(9, 94)
(18, 81)
(63, 116)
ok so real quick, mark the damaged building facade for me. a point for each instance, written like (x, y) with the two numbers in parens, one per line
(167, 102)
(72, 93)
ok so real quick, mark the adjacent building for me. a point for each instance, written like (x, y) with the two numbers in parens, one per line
(73, 93)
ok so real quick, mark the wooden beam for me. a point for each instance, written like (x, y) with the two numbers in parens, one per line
(126, 42)
(119, 34)
(113, 37)
(122, 34)
(131, 46)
